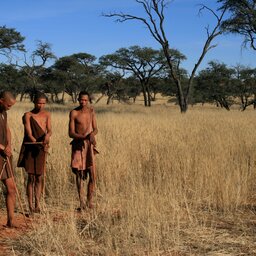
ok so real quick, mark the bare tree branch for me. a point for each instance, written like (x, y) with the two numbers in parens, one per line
(154, 21)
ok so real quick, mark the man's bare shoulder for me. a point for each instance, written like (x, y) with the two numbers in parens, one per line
(27, 114)
(26, 117)
(92, 110)
(74, 112)
(46, 113)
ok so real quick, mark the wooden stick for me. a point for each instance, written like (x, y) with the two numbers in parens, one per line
(2, 169)
(16, 189)
(33, 143)
(44, 179)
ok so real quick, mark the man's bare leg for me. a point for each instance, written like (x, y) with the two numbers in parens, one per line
(38, 191)
(91, 187)
(30, 191)
(10, 201)
(80, 190)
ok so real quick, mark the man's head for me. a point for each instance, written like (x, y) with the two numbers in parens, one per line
(7, 100)
(39, 101)
(84, 98)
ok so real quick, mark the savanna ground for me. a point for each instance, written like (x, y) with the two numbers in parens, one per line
(167, 184)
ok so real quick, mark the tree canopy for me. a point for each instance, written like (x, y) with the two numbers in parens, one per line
(10, 40)
(242, 20)
(142, 62)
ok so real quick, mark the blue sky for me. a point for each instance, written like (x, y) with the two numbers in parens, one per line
(78, 26)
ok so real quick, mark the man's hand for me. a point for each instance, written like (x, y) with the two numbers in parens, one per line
(2, 147)
(32, 139)
(92, 139)
(46, 148)
(47, 139)
(8, 151)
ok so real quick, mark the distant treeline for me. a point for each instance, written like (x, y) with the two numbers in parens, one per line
(122, 75)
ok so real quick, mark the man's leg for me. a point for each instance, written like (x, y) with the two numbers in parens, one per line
(80, 190)
(91, 187)
(30, 191)
(10, 200)
(38, 191)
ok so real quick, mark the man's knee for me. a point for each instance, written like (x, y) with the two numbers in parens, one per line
(38, 178)
(91, 176)
(31, 179)
(10, 186)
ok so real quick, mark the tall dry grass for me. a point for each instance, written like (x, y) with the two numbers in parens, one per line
(165, 181)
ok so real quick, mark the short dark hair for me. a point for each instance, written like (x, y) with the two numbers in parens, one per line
(6, 94)
(39, 95)
(84, 93)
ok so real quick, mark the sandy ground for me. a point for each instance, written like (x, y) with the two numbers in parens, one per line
(12, 233)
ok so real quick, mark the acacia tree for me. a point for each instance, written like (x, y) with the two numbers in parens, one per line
(142, 62)
(10, 40)
(154, 22)
(111, 85)
(245, 85)
(77, 71)
(215, 84)
(242, 20)
(54, 83)
(34, 66)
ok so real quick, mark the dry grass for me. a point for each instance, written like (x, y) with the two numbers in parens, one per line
(168, 184)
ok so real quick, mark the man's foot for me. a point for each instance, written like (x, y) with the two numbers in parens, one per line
(90, 205)
(37, 210)
(28, 214)
(81, 208)
(10, 224)
(31, 210)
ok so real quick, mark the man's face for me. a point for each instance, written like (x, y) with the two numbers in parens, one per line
(40, 104)
(7, 103)
(83, 100)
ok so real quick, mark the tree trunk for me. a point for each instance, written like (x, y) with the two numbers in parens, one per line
(73, 98)
(63, 95)
(99, 98)
(148, 96)
(182, 102)
(144, 96)
(52, 97)
(109, 99)
(224, 103)
(21, 96)
(56, 97)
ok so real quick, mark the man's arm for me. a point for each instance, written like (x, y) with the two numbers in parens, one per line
(71, 128)
(2, 147)
(95, 129)
(28, 130)
(48, 128)
(8, 150)
(94, 124)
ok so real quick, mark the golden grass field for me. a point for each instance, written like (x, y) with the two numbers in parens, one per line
(167, 184)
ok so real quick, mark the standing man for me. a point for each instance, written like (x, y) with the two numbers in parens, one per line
(37, 133)
(7, 100)
(82, 129)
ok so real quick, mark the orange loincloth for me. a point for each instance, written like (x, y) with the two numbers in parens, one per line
(82, 156)
(32, 157)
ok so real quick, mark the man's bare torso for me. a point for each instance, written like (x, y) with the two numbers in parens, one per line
(83, 121)
(41, 118)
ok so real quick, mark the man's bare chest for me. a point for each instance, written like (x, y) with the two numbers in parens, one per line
(83, 119)
(41, 120)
